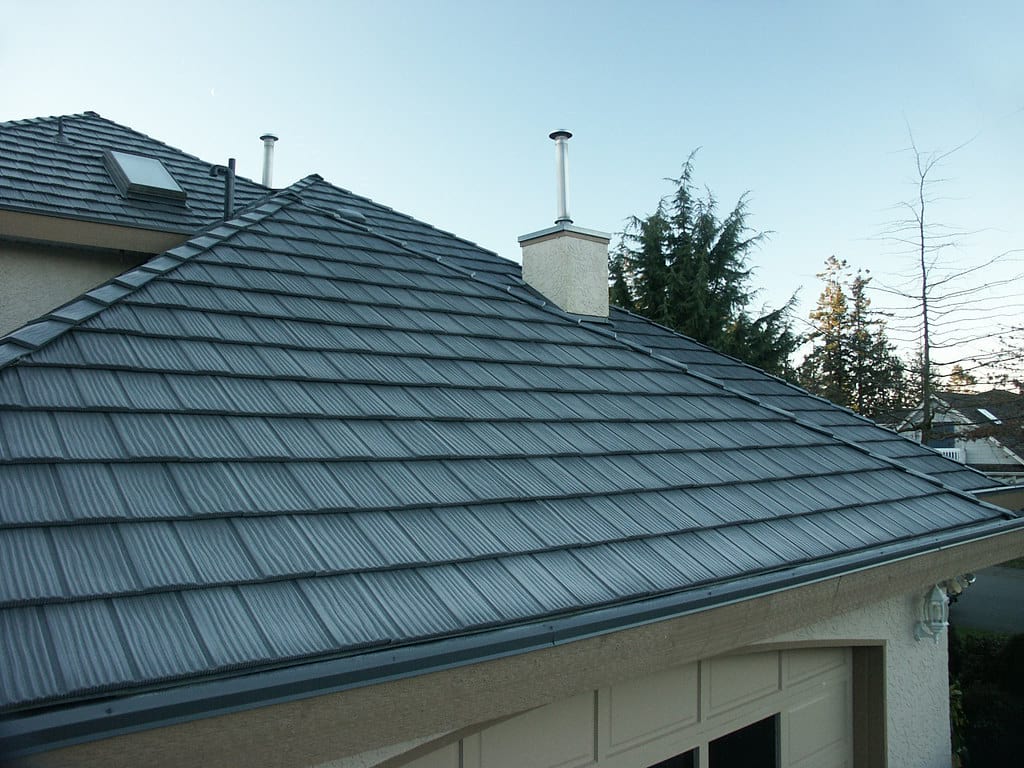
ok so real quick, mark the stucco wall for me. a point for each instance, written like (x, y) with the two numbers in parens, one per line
(570, 270)
(35, 279)
(916, 675)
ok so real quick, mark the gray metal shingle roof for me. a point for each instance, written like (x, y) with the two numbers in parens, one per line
(843, 423)
(294, 438)
(305, 435)
(41, 174)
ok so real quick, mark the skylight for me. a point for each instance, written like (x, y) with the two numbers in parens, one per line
(141, 176)
(990, 416)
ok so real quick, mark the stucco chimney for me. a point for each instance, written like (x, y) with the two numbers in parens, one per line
(567, 264)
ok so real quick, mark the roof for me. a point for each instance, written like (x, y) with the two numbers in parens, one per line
(997, 413)
(842, 422)
(324, 443)
(42, 172)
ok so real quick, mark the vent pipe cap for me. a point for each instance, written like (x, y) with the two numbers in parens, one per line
(268, 140)
(560, 138)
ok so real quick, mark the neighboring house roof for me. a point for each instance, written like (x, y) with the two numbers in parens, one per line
(323, 444)
(41, 173)
(997, 413)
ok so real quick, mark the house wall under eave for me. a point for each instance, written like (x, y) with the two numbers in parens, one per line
(35, 279)
(916, 674)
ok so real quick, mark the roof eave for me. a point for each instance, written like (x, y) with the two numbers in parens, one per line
(89, 232)
(57, 727)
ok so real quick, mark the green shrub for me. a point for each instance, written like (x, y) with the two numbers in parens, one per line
(987, 697)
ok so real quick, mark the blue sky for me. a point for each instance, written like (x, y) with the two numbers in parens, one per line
(442, 109)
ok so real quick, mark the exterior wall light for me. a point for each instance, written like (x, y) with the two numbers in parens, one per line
(936, 612)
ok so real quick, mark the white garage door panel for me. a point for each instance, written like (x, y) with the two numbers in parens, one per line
(737, 680)
(644, 709)
(560, 735)
(818, 729)
(642, 722)
(811, 662)
(448, 757)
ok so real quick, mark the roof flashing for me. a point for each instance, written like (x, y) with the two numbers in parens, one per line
(141, 176)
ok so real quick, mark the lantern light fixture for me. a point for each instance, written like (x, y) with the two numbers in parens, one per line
(936, 612)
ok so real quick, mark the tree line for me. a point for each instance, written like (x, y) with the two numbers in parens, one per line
(686, 266)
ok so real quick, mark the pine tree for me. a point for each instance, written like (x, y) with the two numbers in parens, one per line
(686, 269)
(826, 369)
(961, 380)
(851, 361)
(877, 373)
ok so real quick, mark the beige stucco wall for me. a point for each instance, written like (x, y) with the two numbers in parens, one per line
(916, 674)
(35, 279)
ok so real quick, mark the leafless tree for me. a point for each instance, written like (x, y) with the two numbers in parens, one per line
(945, 305)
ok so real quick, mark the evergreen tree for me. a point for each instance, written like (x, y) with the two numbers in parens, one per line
(914, 395)
(826, 370)
(851, 361)
(878, 375)
(961, 380)
(618, 291)
(686, 269)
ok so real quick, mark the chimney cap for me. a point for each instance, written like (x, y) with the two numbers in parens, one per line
(268, 137)
(561, 133)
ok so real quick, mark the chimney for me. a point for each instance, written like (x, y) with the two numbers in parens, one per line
(268, 140)
(567, 264)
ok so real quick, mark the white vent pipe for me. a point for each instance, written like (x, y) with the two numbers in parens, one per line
(268, 140)
(561, 138)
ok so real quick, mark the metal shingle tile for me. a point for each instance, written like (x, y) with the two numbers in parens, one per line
(225, 626)
(27, 671)
(28, 571)
(216, 552)
(160, 638)
(349, 611)
(416, 609)
(278, 546)
(148, 491)
(93, 560)
(470, 606)
(290, 625)
(157, 556)
(89, 653)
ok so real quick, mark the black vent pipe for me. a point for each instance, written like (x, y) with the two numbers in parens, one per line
(228, 172)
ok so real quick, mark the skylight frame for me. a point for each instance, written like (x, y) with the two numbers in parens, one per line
(142, 176)
(989, 415)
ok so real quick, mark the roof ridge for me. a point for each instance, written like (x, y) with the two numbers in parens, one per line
(791, 385)
(408, 217)
(48, 118)
(95, 117)
(44, 330)
(147, 137)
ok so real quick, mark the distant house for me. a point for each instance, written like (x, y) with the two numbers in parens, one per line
(984, 430)
(322, 485)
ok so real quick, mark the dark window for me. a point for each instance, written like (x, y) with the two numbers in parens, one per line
(755, 746)
(685, 760)
(942, 435)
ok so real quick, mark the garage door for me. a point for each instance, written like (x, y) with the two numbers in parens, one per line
(791, 709)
